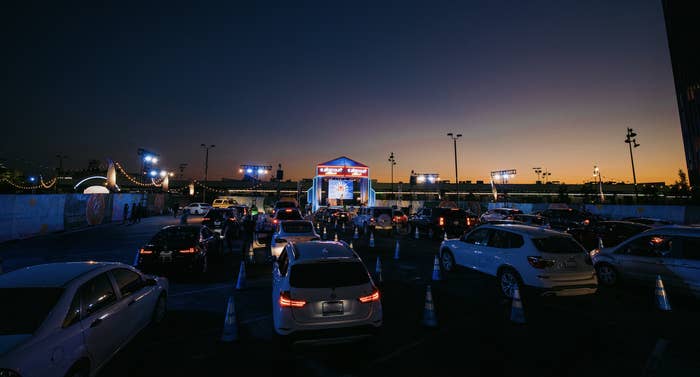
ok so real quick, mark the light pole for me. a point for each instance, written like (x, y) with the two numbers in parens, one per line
(632, 141)
(392, 162)
(538, 171)
(596, 173)
(206, 170)
(454, 141)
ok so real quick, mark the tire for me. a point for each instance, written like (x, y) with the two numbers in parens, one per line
(508, 279)
(607, 274)
(159, 310)
(447, 261)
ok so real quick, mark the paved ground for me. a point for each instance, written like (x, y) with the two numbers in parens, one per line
(614, 332)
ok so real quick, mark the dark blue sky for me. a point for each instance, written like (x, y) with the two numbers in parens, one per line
(528, 83)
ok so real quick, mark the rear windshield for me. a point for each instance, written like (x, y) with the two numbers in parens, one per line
(558, 245)
(328, 275)
(291, 215)
(176, 238)
(288, 227)
(382, 211)
(453, 213)
(26, 308)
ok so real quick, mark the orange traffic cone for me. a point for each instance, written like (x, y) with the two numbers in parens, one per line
(661, 298)
(429, 319)
(436, 269)
(230, 327)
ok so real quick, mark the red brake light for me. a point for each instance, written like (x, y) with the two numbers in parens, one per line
(287, 302)
(188, 251)
(144, 251)
(469, 221)
(539, 262)
(373, 297)
(274, 221)
(442, 221)
(205, 219)
(288, 210)
(371, 219)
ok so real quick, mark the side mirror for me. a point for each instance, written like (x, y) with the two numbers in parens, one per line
(151, 282)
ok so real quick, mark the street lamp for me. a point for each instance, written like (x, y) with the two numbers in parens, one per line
(454, 141)
(206, 169)
(538, 171)
(392, 162)
(596, 173)
(632, 141)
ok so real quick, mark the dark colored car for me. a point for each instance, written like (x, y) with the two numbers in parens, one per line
(188, 248)
(568, 218)
(648, 221)
(611, 232)
(529, 219)
(222, 221)
(340, 217)
(437, 221)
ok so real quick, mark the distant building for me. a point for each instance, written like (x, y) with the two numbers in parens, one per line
(683, 36)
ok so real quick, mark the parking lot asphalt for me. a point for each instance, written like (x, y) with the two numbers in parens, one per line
(617, 331)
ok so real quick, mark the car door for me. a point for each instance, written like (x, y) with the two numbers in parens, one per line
(645, 257)
(471, 245)
(685, 266)
(104, 318)
(140, 298)
(499, 251)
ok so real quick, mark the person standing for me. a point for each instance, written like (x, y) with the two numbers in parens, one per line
(125, 215)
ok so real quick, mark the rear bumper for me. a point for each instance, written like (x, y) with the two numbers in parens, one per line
(335, 335)
(558, 285)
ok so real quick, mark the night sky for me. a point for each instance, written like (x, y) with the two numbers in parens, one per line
(552, 84)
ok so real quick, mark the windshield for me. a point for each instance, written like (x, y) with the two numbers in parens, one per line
(294, 227)
(558, 245)
(24, 309)
(328, 275)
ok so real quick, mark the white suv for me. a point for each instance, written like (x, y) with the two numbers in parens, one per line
(550, 261)
(322, 292)
(197, 208)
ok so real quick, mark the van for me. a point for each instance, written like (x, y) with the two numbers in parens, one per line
(224, 203)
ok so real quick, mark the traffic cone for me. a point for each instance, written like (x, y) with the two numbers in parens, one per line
(378, 270)
(417, 235)
(351, 247)
(436, 269)
(325, 234)
(396, 250)
(356, 235)
(429, 319)
(600, 243)
(517, 314)
(135, 264)
(335, 237)
(444, 236)
(230, 327)
(240, 283)
(371, 239)
(661, 298)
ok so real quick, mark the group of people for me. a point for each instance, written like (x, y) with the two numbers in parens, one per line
(133, 215)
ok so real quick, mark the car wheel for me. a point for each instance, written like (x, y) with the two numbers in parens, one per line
(447, 261)
(508, 281)
(607, 274)
(159, 311)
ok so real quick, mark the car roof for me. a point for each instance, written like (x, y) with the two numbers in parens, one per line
(297, 222)
(674, 230)
(173, 227)
(525, 230)
(50, 274)
(323, 250)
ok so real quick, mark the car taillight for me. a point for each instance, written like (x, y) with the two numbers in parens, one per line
(287, 302)
(369, 298)
(205, 219)
(287, 210)
(469, 221)
(371, 219)
(442, 221)
(144, 251)
(188, 251)
(274, 221)
(586, 222)
(539, 262)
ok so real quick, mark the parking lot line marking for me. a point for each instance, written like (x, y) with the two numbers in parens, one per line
(201, 290)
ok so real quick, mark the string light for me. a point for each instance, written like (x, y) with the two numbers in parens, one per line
(41, 184)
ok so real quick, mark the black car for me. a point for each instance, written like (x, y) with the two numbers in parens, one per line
(610, 232)
(222, 221)
(437, 221)
(188, 248)
(340, 217)
(568, 218)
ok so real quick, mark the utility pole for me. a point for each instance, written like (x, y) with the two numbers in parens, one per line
(392, 162)
(206, 170)
(632, 141)
(454, 140)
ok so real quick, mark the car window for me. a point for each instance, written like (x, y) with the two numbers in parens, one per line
(691, 248)
(505, 240)
(97, 294)
(174, 238)
(24, 309)
(128, 281)
(558, 245)
(328, 274)
(478, 237)
(73, 315)
(649, 246)
(294, 227)
(283, 262)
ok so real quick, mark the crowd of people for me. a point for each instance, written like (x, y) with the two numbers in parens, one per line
(133, 215)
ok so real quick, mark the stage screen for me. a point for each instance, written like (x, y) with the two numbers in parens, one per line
(340, 189)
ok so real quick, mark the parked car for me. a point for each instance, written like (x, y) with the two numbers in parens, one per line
(435, 222)
(286, 203)
(531, 219)
(223, 203)
(653, 222)
(610, 232)
(671, 252)
(374, 219)
(499, 214)
(569, 218)
(70, 319)
(283, 214)
(188, 248)
(292, 231)
(519, 255)
(222, 221)
(197, 208)
(323, 290)
(340, 217)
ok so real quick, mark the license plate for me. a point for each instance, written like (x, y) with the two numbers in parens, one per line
(456, 222)
(333, 308)
(166, 256)
(217, 222)
(570, 264)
